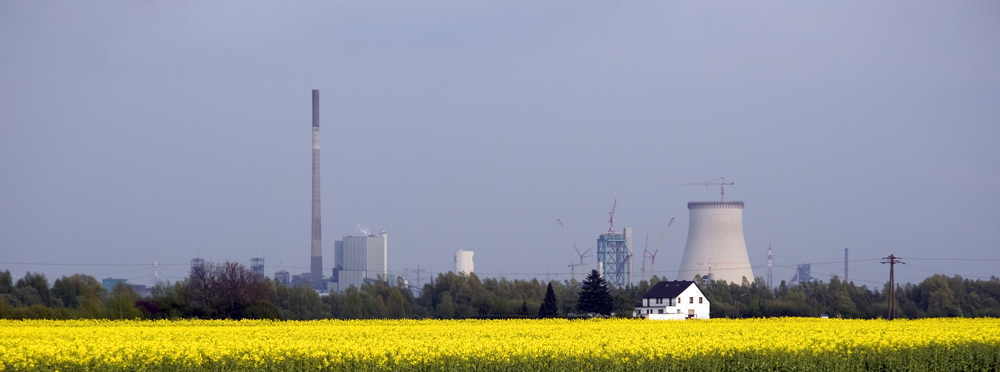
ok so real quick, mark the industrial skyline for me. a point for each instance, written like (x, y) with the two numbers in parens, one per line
(132, 133)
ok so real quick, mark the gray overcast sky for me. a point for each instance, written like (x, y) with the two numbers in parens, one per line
(133, 131)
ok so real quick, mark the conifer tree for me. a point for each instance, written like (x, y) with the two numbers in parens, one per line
(549, 308)
(595, 297)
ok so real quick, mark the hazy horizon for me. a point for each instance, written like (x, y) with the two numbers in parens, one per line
(133, 132)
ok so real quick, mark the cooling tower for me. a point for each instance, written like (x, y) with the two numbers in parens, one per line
(715, 243)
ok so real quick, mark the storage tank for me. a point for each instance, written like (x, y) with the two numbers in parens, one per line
(715, 244)
(464, 262)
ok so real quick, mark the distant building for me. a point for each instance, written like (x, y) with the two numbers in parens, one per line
(614, 253)
(283, 277)
(141, 290)
(110, 283)
(678, 299)
(197, 264)
(360, 259)
(257, 266)
(464, 262)
(803, 274)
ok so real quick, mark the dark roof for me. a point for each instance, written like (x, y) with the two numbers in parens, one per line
(668, 289)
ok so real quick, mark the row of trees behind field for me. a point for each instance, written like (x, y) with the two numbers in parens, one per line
(230, 291)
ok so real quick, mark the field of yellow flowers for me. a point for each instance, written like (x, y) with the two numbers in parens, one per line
(502, 345)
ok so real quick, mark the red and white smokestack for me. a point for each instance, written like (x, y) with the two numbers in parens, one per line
(316, 269)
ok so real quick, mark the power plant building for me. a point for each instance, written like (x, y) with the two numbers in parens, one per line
(360, 259)
(715, 246)
(614, 257)
(257, 266)
(283, 276)
(464, 262)
(197, 264)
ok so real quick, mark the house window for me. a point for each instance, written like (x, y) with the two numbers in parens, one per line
(660, 311)
(659, 301)
(699, 300)
(690, 300)
(691, 313)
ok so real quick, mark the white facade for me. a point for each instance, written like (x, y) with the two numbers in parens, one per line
(464, 262)
(690, 303)
(715, 244)
(360, 259)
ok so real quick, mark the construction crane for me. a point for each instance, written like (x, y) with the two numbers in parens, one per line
(645, 252)
(652, 255)
(572, 266)
(611, 218)
(709, 264)
(721, 182)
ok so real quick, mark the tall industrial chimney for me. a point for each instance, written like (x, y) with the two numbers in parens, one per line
(316, 273)
(845, 265)
(715, 245)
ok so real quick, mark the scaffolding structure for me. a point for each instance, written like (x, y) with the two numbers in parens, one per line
(614, 257)
(197, 264)
(257, 266)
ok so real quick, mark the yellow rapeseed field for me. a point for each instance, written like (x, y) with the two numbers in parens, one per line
(502, 345)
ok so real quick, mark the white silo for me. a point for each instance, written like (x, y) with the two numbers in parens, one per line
(715, 244)
(464, 262)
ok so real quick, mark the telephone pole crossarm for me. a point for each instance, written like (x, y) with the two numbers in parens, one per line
(892, 260)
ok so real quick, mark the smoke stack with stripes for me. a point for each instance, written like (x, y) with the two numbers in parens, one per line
(316, 273)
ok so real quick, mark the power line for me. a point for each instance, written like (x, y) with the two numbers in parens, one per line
(953, 259)
(85, 264)
(829, 262)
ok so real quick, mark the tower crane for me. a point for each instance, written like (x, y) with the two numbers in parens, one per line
(652, 256)
(645, 252)
(611, 218)
(721, 182)
(572, 266)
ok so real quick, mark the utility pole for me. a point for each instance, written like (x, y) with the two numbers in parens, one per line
(892, 260)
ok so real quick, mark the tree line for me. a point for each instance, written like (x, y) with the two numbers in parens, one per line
(231, 291)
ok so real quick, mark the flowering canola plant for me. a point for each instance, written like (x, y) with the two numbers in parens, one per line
(502, 345)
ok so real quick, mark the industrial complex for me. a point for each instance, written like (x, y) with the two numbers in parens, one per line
(715, 248)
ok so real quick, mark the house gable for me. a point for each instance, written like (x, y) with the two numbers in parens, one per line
(668, 289)
(674, 300)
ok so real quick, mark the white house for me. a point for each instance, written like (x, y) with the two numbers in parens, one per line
(678, 299)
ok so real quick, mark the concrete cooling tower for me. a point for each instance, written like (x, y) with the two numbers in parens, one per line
(715, 244)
